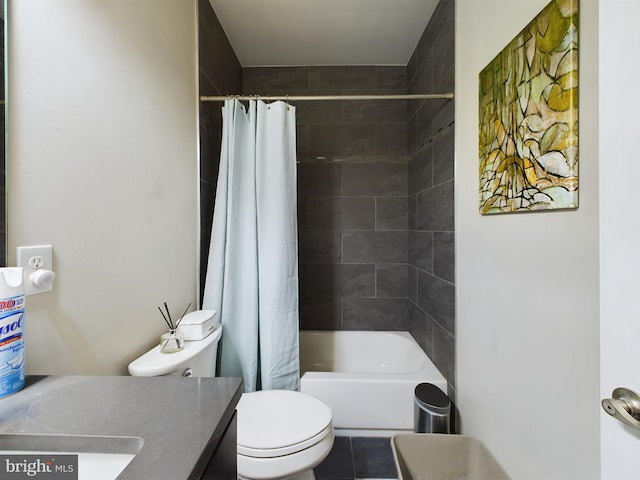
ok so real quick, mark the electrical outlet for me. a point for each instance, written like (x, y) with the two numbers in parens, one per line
(36, 262)
(33, 259)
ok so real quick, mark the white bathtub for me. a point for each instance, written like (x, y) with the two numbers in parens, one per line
(367, 378)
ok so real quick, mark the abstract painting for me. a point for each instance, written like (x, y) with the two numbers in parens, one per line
(528, 117)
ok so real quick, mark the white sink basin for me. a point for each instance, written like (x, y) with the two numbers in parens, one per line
(99, 458)
(422, 456)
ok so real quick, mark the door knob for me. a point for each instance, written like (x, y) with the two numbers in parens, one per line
(624, 405)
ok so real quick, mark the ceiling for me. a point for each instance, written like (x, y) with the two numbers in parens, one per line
(323, 32)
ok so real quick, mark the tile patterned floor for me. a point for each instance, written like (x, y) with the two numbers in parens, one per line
(358, 458)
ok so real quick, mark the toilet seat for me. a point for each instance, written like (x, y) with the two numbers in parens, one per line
(274, 423)
(281, 434)
(288, 450)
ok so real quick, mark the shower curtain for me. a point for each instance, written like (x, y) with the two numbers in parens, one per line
(252, 272)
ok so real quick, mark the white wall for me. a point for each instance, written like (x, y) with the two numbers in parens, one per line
(102, 163)
(527, 284)
(619, 228)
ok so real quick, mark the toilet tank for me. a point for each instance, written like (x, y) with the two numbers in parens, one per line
(196, 359)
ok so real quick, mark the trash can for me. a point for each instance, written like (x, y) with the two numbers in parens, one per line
(432, 410)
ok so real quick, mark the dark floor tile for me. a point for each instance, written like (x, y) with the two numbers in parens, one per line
(372, 457)
(339, 463)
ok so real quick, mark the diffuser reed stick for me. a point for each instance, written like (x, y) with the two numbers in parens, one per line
(165, 319)
(183, 314)
(169, 315)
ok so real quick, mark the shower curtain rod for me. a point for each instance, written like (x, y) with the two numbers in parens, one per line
(286, 98)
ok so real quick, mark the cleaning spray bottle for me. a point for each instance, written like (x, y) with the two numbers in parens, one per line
(11, 330)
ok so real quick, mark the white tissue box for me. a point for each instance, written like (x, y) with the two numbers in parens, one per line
(197, 325)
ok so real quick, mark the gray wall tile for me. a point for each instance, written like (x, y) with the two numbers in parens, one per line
(375, 247)
(392, 247)
(437, 298)
(446, 82)
(443, 352)
(425, 126)
(391, 78)
(436, 208)
(375, 314)
(442, 116)
(321, 313)
(379, 179)
(391, 140)
(320, 246)
(421, 250)
(392, 213)
(420, 170)
(421, 327)
(392, 280)
(359, 247)
(412, 139)
(412, 216)
(443, 45)
(423, 82)
(210, 139)
(342, 280)
(347, 77)
(375, 111)
(413, 284)
(443, 158)
(412, 66)
(444, 255)
(265, 80)
(359, 213)
(302, 142)
(303, 280)
(341, 140)
(303, 212)
(325, 213)
(308, 112)
(319, 179)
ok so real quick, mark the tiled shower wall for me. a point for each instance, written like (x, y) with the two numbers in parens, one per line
(431, 201)
(220, 74)
(352, 194)
(375, 185)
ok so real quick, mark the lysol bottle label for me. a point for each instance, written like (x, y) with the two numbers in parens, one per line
(11, 344)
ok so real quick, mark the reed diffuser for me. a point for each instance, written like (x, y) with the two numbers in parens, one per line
(171, 341)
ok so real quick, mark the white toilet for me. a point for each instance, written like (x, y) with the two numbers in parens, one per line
(281, 434)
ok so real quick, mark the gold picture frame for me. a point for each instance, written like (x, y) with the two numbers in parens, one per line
(528, 117)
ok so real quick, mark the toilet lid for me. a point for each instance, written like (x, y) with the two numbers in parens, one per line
(280, 422)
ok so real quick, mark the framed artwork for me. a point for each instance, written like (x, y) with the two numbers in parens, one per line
(528, 118)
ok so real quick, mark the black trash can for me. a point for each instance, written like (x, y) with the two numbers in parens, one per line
(432, 410)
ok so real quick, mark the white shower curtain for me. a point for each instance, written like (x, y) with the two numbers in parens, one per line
(252, 272)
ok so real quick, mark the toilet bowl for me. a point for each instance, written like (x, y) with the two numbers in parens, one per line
(281, 434)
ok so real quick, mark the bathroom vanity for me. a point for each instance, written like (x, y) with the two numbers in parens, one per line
(172, 427)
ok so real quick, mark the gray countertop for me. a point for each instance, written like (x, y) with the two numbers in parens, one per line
(180, 420)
